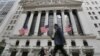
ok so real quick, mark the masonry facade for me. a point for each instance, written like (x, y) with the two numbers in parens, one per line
(34, 14)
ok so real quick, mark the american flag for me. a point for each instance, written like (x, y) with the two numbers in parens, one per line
(68, 28)
(44, 29)
(23, 31)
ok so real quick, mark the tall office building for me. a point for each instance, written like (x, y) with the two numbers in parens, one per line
(24, 32)
(5, 7)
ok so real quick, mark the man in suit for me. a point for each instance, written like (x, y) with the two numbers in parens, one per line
(59, 40)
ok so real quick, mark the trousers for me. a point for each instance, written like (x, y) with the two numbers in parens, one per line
(59, 47)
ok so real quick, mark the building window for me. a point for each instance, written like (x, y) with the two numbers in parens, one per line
(49, 43)
(92, 2)
(95, 25)
(85, 43)
(4, 13)
(12, 27)
(96, 17)
(89, 13)
(73, 43)
(90, 8)
(96, 7)
(38, 43)
(27, 43)
(11, 21)
(96, 2)
(14, 21)
(13, 17)
(93, 13)
(8, 28)
(17, 42)
(92, 17)
(99, 12)
(17, 16)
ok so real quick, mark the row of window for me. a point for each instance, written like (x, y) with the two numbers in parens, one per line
(90, 8)
(13, 22)
(96, 25)
(92, 2)
(94, 17)
(15, 17)
(9, 27)
(90, 13)
(38, 43)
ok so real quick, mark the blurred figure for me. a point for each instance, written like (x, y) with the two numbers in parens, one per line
(59, 40)
(49, 51)
(42, 52)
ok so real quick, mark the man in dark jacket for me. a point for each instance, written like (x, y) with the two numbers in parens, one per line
(59, 40)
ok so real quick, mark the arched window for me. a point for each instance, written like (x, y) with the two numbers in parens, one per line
(85, 43)
(38, 43)
(27, 43)
(73, 43)
(17, 42)
(49, 43)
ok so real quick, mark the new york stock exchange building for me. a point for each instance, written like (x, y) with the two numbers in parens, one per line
(29, 33)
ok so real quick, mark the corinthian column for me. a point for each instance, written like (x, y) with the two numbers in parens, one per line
(55, 17)
(46, 20)
(64, 22)
(37, 23)
(29, 23)
(75, 31)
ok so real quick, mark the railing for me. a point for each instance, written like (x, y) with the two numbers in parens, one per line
(88, 49)
(74, 49)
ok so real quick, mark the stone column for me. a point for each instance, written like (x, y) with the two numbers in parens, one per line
(55, 17)
(46, 20)
(75, 31)
(54, 20)
(37, 23)
(30, 22)
(64, 22)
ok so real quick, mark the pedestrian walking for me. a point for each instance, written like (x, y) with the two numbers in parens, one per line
(59, 41)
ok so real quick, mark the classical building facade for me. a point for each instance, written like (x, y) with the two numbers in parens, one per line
(31, 15)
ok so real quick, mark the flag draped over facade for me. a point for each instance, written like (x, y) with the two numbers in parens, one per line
(24, 30)
(44, 29)
(68, 28)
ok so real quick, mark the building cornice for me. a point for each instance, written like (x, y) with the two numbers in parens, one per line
(47, 37)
